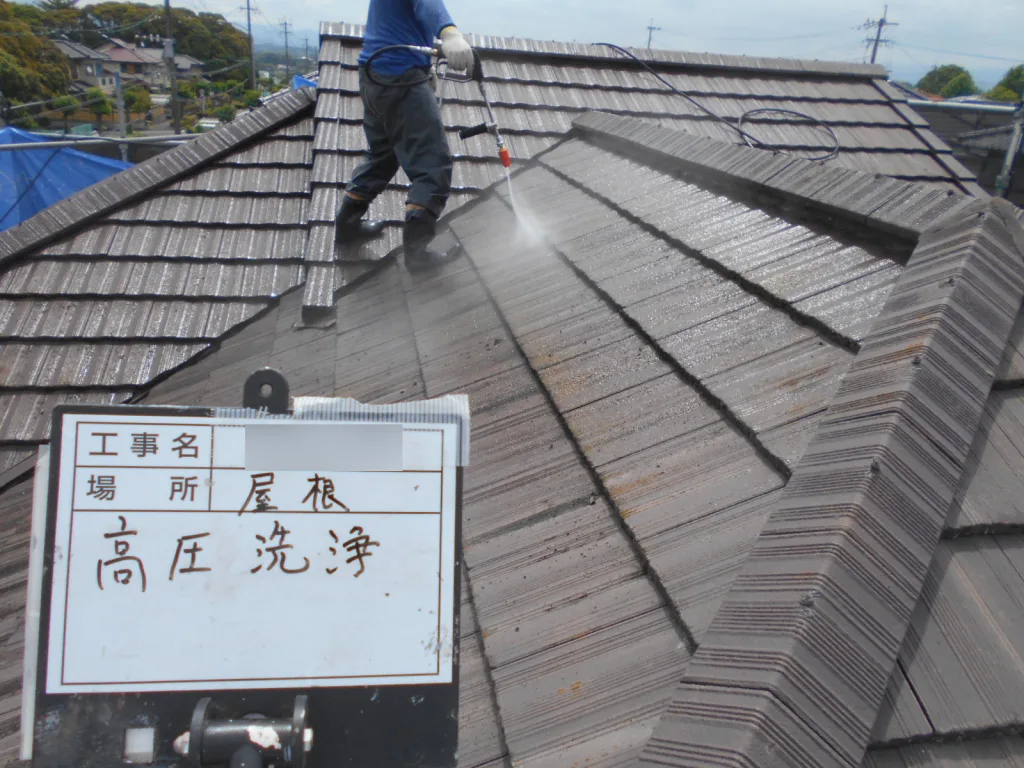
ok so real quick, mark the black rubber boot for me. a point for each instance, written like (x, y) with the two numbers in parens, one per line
(420, 229)
(350, 224)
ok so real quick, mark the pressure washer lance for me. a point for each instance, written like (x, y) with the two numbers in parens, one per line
(490, 125)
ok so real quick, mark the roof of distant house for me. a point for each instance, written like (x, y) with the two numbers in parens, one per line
(77, 51)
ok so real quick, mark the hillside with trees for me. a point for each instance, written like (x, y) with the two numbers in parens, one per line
(32, 68)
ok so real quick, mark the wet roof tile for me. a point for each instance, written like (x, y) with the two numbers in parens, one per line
(784, 386)
(734, 339)
(682, 480)
(576, 564)
(698, 560)
(638, 418)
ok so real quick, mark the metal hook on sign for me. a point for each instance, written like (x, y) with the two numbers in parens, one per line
(266, 390)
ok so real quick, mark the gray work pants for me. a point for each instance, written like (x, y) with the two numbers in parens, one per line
(403, 128)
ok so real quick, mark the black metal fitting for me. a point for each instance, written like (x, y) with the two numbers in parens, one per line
(248, 742)
(266, 389)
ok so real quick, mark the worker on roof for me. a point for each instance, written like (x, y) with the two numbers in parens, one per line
(402, 122)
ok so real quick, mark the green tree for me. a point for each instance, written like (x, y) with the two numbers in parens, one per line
(251, 98)
(137, 100)
(31, 67)
(225, 114)
(1002, 93)
(1011, 87)
(961, 85)
(67, 106)
(99, 105)
(187, 90)
(940, 78)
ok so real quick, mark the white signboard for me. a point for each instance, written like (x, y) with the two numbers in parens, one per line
(199, 553)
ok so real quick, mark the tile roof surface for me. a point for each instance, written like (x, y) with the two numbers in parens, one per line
(666, 338)
(539, 89)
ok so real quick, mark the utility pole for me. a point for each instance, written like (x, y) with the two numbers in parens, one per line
(287, 61)
(254, 83)
(121, 127)
(650, 33)
(879, 26)
(172, 67)
(305, 54)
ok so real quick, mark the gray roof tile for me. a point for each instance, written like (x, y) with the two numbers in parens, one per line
(698, 560)
(79, 366)
(972, 609)
(783, 386)
(989, 496)
(26, 415)
(579, 569)
(901, 717)
(1005, 751)
(833, 579)
(685, 479)
(561, 706)
(734, 339)
(479, 731)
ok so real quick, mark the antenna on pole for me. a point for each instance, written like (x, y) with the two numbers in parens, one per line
(650, 33)
(878, 25)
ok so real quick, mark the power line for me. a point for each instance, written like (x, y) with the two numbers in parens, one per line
(809, 36)
(961, 53)
(45, 32)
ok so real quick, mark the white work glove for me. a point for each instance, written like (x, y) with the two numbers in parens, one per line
(457, 50)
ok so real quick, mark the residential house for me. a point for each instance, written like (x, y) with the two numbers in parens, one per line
(144, 66)
(187, 66)
(747, 427)
(89, 68)
(986, 151)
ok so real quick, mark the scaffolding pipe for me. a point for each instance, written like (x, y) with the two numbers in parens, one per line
(1005, 180)
(93, 142)
(962, 106)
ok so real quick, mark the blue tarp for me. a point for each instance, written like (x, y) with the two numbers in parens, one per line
(298, 81)
(31, 180)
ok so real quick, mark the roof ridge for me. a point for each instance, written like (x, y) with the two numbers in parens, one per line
(663, 57)
(891, 205)
(795, 666)
(118, 190)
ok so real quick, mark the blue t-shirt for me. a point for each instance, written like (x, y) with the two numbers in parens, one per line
(402, 22)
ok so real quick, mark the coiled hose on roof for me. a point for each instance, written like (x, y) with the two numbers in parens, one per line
(751, 141)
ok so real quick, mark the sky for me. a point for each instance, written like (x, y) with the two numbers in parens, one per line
(982, 35)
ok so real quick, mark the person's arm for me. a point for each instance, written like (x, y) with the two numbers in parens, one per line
(433, 15)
